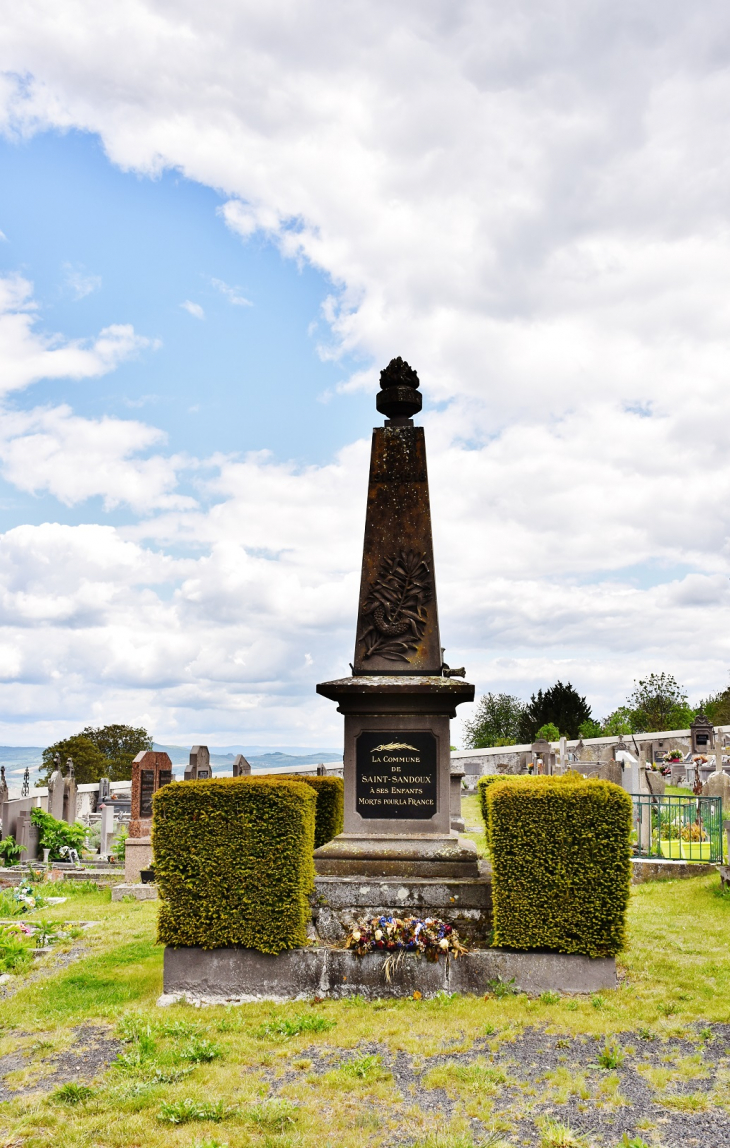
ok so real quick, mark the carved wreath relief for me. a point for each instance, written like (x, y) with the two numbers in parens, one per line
(395, 608)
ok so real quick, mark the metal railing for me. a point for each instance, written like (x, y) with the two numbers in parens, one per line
(679, 828)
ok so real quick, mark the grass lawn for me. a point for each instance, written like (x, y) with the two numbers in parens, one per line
(88, 1059)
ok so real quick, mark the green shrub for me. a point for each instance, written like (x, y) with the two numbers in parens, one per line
(55, 834)
(233, 862)
(482, 786)
(330, 812)
(561, 864)
(10, 851)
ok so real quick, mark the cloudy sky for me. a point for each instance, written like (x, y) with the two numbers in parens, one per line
(220, 221)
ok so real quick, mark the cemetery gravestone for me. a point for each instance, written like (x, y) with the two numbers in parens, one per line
(27, 835)
(3, 785)
(543, 758)
(150, 771)
(241, 768)
(457, 776)
(56, 791)
(69, 793)
(199, 765)
(107, 829)
(702, 733)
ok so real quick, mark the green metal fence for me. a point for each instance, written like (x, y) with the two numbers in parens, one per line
(683, 828)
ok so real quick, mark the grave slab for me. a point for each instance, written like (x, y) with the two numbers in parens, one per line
(139, 892)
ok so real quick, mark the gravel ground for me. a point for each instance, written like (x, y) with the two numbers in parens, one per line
(93, 1050)
(51, 965)
(527, 1058)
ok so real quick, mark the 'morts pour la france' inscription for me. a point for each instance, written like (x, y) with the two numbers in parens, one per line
(396, 775)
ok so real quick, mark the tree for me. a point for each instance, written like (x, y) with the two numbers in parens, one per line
(104, 752)
(659, 703)
(590, 728)
(119, 744)
(549, 732)
(89, 761)
(495, 722)
(618, 723)
(562, 705)
(717, 707)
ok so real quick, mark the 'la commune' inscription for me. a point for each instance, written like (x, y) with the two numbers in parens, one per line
(396, 775)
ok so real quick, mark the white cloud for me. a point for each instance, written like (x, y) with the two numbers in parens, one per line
(193, 309)
(49, 449)
(79, 283)
(28, 355)
(231, 293)
(527, 201)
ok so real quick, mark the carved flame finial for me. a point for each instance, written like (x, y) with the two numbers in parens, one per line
(399, 398)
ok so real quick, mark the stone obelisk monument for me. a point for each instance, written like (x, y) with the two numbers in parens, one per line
(399, 700)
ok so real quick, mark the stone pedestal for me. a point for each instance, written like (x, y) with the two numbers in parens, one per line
(397, 771)
(338, 902)
(137, 856)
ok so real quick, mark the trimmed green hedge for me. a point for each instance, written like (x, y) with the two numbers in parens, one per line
(482, 786)
(233, 862)
(561, 864)
(330, 814)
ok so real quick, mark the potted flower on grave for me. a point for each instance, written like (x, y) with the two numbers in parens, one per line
(674, 755)
(695, 845)
(670, 844)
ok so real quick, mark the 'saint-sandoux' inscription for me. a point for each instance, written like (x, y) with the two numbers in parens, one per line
(396, 775)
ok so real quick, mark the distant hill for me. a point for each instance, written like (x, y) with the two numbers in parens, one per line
(15, 758)
(221, 758)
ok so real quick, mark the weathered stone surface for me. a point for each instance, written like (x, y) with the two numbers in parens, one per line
(718, 785)
(660, 869)
(655, 782)
(137, 856)
(198, 768)
(337, 902)
(241, 767)
(238, 974)
(415, 855)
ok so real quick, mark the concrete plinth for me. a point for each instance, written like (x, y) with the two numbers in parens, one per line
(139, 892)
(337, 902)
(215, 976)
(666, 869)
(137, 856)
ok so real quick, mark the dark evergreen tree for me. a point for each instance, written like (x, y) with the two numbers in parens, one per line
(561, 705)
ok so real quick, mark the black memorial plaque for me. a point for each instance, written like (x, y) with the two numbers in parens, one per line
(164, 777)
(396, 775)
(146, 789)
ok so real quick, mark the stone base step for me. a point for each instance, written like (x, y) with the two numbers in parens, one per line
(667, 869)
(139, 892)
(238, 975)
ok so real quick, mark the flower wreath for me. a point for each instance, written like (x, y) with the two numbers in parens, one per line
(396, 936)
